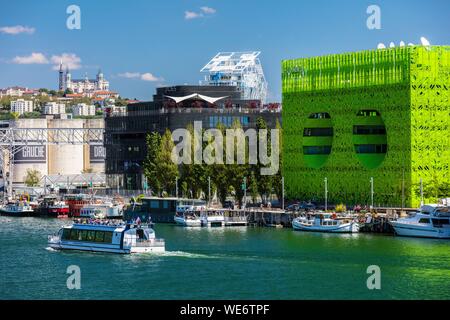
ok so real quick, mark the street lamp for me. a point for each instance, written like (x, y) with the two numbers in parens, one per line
(371, 192)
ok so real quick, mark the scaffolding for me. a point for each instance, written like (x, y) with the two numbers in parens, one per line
(13, 140)
(241, 69)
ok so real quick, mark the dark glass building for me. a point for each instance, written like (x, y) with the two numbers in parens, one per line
(173, 108)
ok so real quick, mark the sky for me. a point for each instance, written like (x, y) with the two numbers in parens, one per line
(143, 44)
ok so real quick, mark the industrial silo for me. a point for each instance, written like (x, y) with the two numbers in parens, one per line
(29, 156)
(65, 158)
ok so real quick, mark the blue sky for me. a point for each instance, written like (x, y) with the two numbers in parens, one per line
(129, 39)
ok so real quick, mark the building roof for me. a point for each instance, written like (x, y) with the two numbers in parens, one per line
(196, 96)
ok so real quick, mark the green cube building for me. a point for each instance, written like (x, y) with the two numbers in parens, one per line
(381, 114)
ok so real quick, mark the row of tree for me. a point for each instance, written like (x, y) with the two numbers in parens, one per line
(195, 180)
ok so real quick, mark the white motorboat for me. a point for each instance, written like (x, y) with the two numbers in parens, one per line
(325, 222)
(431, 221)
(187, 220)
(107, 236)
(188, 216)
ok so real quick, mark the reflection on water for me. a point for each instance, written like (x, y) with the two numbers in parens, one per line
(225, 263)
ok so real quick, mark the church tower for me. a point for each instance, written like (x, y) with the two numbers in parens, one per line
(61, 77)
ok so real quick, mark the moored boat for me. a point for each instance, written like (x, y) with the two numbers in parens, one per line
(431, 221)
(188, 217)
(325, 222)
(50, 206)
(106, 236)
(18, 209)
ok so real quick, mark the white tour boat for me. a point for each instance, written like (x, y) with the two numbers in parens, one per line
(106, 236)
(325, 222)
(432, 221)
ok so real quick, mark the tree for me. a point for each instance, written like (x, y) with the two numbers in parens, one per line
(264, 181)
(32, 177)
(278, 177)
(219, 174)
(153, 147)
(237, 172)
(166, 169)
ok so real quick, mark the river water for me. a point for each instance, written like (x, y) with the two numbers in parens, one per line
(225, 263)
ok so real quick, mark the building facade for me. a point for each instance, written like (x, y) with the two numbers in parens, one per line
(22, 106)
(172, 108)
(381, 115)
(83, 109)
(86, 86)
(54, 108)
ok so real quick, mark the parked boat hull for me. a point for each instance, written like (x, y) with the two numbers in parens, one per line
(406, 230)
(352, 227)
(188, 222)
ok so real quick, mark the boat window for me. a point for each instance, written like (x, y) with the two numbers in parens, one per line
(99, 236)
(66, 234)
(83, 235)
(90, 236)
(74, 234)
(424, 220)
(154, 204)
(166, 204)
(108, 237)
(440, 222)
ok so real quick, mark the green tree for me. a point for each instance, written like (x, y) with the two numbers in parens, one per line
(32, 177)
(219, 174)
(264, 181)
(153, 147)
(166, 169)
(237, 172)
(277, 178)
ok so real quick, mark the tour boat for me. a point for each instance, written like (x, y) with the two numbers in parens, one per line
(431, 221)
(19, 209)
(107, 236)
(51, 207)
(325, 222)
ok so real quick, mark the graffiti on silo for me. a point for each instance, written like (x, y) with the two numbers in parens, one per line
(31, 154)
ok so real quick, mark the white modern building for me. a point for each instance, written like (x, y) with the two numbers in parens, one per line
(83, 109)
(21, 106)
(241, 69)
(54, 108)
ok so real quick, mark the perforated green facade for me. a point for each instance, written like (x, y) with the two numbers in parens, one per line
(349, 117)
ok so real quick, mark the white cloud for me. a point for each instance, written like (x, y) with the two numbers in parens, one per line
(34, 58)
(70, 60)
(149, 77)
(17, 30)
(208, 10)
(129, 75)
(143, 76)
(189, 15)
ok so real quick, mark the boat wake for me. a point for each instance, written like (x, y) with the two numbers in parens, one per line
(51, 249)
(183, 254)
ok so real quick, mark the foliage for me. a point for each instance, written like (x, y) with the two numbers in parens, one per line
(341, 208)
(32, 177)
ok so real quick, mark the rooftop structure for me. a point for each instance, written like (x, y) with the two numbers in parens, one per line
(240, 69)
